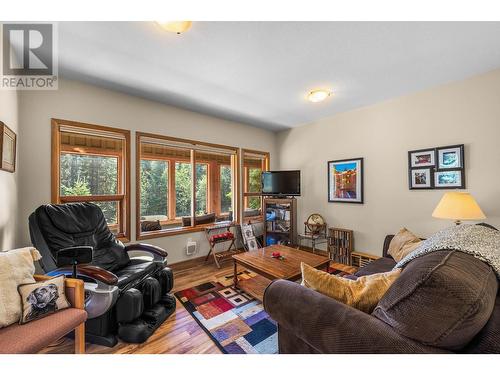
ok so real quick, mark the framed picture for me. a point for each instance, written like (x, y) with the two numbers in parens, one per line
(450, 157)
(345, 180)
(247, 232)
(7, 149)
(422, 158)
(252, 244)
(444, 168)
(452, 179)
(421, 178)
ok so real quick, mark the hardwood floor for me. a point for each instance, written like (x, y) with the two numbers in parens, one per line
(179, 334)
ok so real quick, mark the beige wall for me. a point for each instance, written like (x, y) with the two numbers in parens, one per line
(8, 181)
(80, 102)
(463, 112)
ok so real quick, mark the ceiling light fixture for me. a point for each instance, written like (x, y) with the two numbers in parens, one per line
(318, 95)
(177, 27)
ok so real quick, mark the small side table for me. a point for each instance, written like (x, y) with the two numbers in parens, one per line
(316, 239)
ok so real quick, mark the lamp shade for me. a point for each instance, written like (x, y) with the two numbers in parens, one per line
(458, 206)
(177, 27)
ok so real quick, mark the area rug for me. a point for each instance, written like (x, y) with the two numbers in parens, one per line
(236, 322)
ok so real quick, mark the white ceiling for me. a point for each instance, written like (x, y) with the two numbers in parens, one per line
(259, 72)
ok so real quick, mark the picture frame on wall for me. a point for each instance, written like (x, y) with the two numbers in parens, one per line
(422, 158)
(7, 149)
(421, 178)
(450, 157)
(437, 168)
(449, 179)
(345, 180)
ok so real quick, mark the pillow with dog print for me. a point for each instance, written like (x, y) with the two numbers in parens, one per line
(42, 298)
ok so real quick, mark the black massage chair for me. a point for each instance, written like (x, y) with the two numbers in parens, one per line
(124, 295)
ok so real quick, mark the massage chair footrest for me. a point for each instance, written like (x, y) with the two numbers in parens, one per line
(140, 329)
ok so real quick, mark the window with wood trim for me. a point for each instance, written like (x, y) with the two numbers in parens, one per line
(254, 162)
(181, 179)
(90, 163)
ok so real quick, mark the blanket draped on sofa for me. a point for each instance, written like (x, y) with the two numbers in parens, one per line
(480, 241)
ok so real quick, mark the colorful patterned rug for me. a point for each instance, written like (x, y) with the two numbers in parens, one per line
(235, 321)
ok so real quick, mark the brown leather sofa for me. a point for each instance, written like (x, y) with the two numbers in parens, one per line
(443, 302)
(32, 337)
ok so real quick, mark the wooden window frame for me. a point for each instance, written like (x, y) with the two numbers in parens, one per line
(245, 172)
(123, 172)
(217, 194)
(212, 179)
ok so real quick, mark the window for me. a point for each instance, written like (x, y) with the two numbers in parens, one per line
(254, 162)
(171, 191)
(90, 165)
(226, 188)
(154, 188)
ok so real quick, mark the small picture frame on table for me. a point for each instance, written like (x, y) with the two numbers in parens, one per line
(7, 149)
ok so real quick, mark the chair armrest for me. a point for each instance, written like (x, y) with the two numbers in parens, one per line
(156, 251)
(330, 326)
(74, 290)
(97, 274)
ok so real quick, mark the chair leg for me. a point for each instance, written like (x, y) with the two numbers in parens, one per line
(209, 252)
(80, 339)
(215, 259)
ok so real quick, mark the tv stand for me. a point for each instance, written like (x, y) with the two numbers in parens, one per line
(280, 197)
(280, 221)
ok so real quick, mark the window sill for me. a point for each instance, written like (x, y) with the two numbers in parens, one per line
(175, 232)
(123, 239)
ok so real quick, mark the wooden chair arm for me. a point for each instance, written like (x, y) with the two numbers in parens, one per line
(75, 291)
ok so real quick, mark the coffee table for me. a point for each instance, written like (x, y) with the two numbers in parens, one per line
(261, 262)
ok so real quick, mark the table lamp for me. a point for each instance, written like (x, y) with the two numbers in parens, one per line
(458, 206)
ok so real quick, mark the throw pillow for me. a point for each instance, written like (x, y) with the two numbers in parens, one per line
(150, 225)
(42, 298)
(16, 267)
(403, 243)
(364, 293)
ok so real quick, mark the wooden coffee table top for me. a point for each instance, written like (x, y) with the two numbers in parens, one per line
(261, 262)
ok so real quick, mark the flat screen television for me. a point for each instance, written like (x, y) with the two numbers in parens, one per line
(285, 183)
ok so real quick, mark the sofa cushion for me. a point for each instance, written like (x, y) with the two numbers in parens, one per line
(377, 266)
(42, 298)
(402, 244)
(36, 335)
(363, 293)
(488, 339)
(16, 267)
(442, 299)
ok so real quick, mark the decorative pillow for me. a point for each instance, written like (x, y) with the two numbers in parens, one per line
(16, 267)
(150, 225)
(43, 298)
(403, 243)
(364, 293)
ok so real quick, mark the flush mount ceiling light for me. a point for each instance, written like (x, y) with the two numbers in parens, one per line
(318, 95)
(177, 27)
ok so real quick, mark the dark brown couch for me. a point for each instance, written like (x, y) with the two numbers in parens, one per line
(443, 302)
